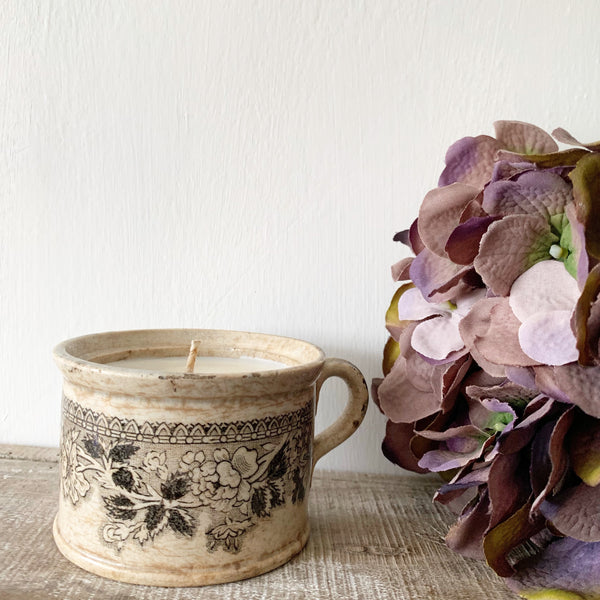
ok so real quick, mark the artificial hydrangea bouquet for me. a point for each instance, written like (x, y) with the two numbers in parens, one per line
(492, 368)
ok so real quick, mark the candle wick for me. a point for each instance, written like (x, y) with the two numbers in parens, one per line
(191, 359)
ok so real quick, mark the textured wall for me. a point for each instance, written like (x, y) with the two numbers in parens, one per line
(245, 164)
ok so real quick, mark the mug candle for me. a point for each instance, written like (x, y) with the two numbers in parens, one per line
(187, 472)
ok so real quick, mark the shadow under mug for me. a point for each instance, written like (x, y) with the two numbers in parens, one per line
(184, 479)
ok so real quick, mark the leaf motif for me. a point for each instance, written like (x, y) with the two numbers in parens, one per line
(154, 518)
(174, 488)
(279, 464)
(93, 447)
(119, 507)
(182, 522)
(122, 452)
(261, 501)
(124, 478)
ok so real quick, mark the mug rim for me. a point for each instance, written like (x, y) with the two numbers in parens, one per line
(75, 358)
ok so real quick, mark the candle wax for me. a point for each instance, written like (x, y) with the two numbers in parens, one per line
(204, 364)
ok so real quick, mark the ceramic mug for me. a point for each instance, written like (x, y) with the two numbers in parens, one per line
(189, 479)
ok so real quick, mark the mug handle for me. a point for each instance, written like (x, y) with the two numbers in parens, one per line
(354, 412)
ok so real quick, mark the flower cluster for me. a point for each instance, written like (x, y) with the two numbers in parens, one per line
(492, 367)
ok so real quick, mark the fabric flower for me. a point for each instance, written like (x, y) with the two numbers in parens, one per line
(436, 338)
(543, 299)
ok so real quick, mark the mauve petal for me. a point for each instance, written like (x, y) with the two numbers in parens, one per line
(460, 431)
(566, 138)
(511, 246)
(504, 392)
(545, 287)
(431, 273)
(437, 338)
(562, 569)
(541, 193)
(413, 307)
(470, 160)
(504, 169)
(548, 338)
(401, 401)
(449, 380)
(416, 243)
(444, 460)
(463, 243)
(575, 512)
(440, 213)
(558, 458)
(524, 138)
(522, 376)
(581, 385)
(490, 331)
(401, 270)
(466, 535)
(524, 431)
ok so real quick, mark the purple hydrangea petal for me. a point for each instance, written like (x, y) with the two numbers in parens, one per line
(545, 287)
(463, 243)
(438, 278)
(466, 535)
(396, 446)
(533, 193)
(510, 247)
(576, 383)
(401, 269)
(412, 306)
(437, 338)
(566, 565)
(524, 138)
(566, 138)
(470, 160)
(444, 460)
(575, 512)
(490, 332)
(548, 338)
(440, 213)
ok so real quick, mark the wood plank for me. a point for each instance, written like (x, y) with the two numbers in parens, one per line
(373, 536)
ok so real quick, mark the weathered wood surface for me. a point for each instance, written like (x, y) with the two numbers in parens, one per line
(376, 537)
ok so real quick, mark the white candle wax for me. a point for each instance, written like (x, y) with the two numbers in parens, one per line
(204, 364)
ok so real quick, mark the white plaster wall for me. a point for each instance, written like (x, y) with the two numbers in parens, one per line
(245, 164)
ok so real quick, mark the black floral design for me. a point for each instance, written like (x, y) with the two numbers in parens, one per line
(158, 477)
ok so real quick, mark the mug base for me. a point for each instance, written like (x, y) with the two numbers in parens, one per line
(187, 577)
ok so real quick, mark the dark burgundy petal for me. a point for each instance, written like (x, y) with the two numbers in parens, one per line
(396, 446)
(463, 243)
(466, 535)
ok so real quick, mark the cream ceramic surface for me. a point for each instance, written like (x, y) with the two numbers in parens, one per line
(183, 479)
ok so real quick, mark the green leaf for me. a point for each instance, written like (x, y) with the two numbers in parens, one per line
(391, 316)
(586, 191)
(584, 449)
(506, 536)
(390, 353)
(581, 315)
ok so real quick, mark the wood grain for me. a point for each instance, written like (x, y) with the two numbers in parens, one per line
(373, 536)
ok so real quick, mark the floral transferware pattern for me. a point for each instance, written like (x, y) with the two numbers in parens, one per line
(152, 479)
